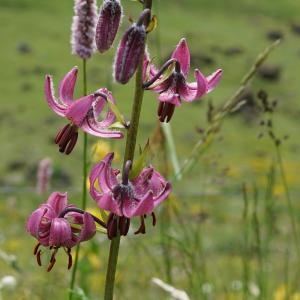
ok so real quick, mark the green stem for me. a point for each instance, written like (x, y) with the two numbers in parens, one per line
(129, 155)
(289, 201)
(84, 190)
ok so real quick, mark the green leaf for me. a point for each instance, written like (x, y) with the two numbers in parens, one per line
(140, 162)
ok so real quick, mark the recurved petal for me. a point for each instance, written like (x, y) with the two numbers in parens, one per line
(57, 107)
(214, 79)
(58, 201)
(99, 105)
(34, 220)
(193, 91)
(91, 126)
(77, 112)
(107, 202)
(163, 194)
(143, 206)
(105, 175)
(141, 184)
(182, 54)
(67, 85)
(60, 233)
(88, 228)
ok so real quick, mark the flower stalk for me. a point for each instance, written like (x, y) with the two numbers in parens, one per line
(129, 155)
(84, 189)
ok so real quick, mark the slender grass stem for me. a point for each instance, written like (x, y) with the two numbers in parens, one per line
(129, 155)
(84, 189)
(289, 201)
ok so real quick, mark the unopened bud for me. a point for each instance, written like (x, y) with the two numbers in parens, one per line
(108, 24)
(131, 49)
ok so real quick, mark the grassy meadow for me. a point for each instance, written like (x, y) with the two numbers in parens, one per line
(231, 228)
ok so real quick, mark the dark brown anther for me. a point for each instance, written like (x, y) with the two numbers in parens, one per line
(36, 248)
(67, 138)
(38, 258)
(142, 228)
(160, 108)
(72, 143)
(70, 259)
(60, 133)
(165, 111)
(112, 226)
(51, 264)
(153, 219)
(124, 224)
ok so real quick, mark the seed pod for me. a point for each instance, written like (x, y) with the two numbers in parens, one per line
(130, 49)
(108, 24)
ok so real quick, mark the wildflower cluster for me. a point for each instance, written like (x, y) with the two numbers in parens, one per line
(132, 192)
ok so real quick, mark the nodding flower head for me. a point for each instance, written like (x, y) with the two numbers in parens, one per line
(83, 28)
(175, 88)
(108, 24)
(131, 49)
(54, 229)
(82, 113)
(126, 198)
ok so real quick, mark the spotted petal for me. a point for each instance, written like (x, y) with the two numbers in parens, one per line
(107, 202)
(144, 206)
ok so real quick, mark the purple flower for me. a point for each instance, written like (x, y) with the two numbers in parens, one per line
(83, 28)
(130, 49)
(54, 229)
(82, 113)
(108, 24)
(126, 199)
(176, 89)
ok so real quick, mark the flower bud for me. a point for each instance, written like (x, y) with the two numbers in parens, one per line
(108, 24)
(83, 28)
(131, 49)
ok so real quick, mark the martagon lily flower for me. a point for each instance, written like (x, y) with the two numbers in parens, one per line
(126, 198)
(56, 224)
(82, 113)
(175, 89)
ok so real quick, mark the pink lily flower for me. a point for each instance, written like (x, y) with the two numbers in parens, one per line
(52, 225)
(126, 198)
(81, 113)
(175, 88)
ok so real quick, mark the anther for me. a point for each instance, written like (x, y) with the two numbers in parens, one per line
(38, 258)
(70, 259)
(153, 218)
(142, 228)
(36, 248)
(124, 224)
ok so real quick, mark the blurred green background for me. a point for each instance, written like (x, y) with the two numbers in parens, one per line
(207, 230)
